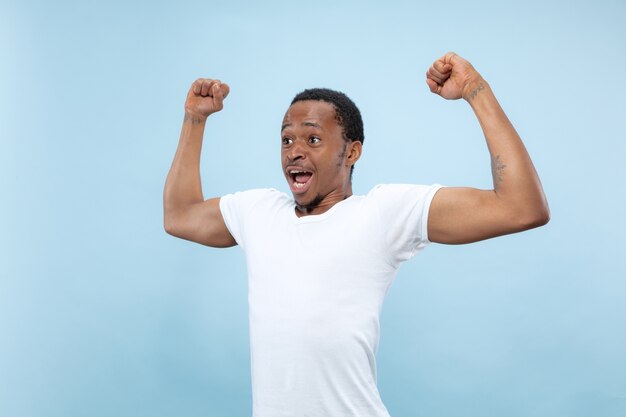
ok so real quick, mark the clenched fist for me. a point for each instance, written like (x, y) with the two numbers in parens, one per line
(452, 77)
(206, 97)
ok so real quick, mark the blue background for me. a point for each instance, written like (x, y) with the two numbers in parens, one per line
(102, 313)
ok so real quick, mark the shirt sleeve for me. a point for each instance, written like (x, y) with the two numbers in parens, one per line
(236, 210)
(403, 216)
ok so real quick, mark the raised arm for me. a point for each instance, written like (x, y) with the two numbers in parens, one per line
(517, 201)
(185, 212)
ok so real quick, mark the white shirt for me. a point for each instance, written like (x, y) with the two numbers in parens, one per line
(316, 287)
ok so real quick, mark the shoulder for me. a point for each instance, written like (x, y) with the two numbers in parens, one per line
(255, 197)
(398, 200)
(401, 191)
(256, 193)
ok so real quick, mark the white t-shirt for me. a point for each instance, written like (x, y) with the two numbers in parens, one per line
(316, 285)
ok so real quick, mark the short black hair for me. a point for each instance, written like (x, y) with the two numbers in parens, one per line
(346, 112)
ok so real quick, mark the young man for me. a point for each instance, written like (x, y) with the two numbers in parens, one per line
(320, 261)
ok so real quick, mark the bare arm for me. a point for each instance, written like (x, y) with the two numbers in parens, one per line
(517, 201)
(185, 212)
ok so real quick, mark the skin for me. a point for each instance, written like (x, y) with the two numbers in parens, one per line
(312, 140)
(517, 201)
(186, 213)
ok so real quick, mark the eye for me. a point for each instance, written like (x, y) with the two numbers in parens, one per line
(314, 139)
(287, 141)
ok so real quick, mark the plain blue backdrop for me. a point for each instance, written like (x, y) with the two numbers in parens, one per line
(103, 314)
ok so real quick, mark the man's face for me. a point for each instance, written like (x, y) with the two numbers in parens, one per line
(316, 159)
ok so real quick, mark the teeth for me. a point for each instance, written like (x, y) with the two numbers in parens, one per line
(294, 173)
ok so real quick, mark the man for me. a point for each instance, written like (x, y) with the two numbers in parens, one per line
(321, 261)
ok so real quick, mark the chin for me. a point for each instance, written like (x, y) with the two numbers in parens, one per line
(309, 205)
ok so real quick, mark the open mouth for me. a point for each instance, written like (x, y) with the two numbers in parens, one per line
(300, 179)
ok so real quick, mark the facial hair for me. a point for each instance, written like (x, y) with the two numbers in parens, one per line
(312, 204)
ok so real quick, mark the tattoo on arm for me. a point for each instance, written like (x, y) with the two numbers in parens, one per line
(193, 119)
(497, 169)
(475, 92)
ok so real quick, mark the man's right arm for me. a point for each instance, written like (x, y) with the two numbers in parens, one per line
(185, 212)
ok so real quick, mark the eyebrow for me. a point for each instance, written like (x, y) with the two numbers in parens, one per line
(308, 124)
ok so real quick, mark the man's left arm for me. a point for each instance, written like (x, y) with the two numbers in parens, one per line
(516, 202)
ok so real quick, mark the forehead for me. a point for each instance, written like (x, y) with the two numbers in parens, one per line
(317, 111)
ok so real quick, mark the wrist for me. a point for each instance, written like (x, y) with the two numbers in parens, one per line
(473, 88)
(194, 118)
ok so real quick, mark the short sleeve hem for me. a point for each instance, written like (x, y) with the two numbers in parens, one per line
(427, 201)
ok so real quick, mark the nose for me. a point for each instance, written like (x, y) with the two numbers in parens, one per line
(296, 152)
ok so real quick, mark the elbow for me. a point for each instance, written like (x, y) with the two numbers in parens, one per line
(169, 224)
(540, 219)
(545, 216)
(169, 228)
(537, 217)
(542, 213)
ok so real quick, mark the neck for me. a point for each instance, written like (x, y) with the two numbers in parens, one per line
(321, 204)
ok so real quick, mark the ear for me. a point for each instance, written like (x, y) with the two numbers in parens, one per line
(354, 152)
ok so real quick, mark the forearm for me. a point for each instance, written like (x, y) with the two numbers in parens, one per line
(183, 186)
(515, 179)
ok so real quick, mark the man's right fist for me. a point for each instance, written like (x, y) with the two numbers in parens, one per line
(206, 97)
